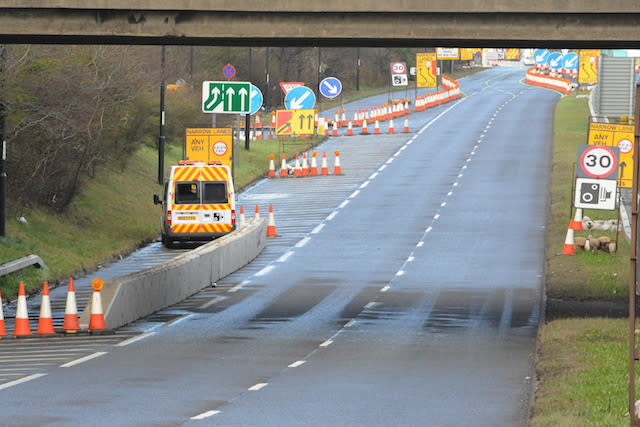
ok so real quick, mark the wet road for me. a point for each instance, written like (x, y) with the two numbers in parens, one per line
(405, 292)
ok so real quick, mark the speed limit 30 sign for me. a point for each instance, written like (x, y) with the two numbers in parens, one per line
(598, 161)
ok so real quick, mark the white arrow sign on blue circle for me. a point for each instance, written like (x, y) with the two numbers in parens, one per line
(300, 98)
(330, 87)
(256, 99)
(555, 60)
(540, 56)
(570, 61)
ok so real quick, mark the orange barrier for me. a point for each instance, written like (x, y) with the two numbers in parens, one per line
(556, 83)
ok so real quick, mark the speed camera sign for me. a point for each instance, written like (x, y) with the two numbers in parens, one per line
(598, 161)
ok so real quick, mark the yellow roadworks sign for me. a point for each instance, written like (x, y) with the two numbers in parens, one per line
(588, 71)
(209, 144)
(426, 70)
(616, 135)
(295, 122)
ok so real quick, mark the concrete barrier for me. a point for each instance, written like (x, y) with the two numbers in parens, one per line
(128, 298)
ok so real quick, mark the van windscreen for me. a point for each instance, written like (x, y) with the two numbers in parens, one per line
(215, 192)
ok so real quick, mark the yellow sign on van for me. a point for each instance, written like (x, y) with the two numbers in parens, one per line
(616, 135)
(209, 144)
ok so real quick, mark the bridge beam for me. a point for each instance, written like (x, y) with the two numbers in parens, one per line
(67, 21)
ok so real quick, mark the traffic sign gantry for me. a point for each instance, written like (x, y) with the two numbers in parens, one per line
(226, 97)
(598, 161)
(330, 87)
(300, 98)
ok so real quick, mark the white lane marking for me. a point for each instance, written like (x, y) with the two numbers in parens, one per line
(83, 359)
(368, 306)
(296, 364)
(364, 184)
(429, 228)
(411, 259)
(350, 323)
(343, 204)
(258, 386)
(204, 415)
(389, 161)
(21, 380)
(303, 242)
(265, 270)
(420, 244)
(332, 215)
(449, 193)
(285, 256)
(464, 167)
(455, 184)
(436, 216)
(318, 228)
(459, 175)
(327, 343)
(239, 286)
(381, 168)
(373, 175)
(443, 204)
(210, 302)
(385, 289)
(354, 194)
(400, 273)
(134, 339)
(178, 320)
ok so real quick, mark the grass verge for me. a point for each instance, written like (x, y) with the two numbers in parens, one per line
(583, 355)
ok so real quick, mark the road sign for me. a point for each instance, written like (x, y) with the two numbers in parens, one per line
(597, 161)
(398, 68)
(554, 60)
(588, 68)
(229, 71)
(616, 135)
(287, 86)
(540, 56)
(399, 80)
(330, 87)
(447, 52)
(209, 144)
(226, 97)
(570, 61)
(595, 194)
(295, 122)
(256, 100)
(300, 98)
(426, 75)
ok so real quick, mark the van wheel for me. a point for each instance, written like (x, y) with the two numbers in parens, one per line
(166, 242)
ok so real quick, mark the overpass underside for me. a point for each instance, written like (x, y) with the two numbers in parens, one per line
(452, 23)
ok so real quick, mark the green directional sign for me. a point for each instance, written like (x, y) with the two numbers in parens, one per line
(226, 97)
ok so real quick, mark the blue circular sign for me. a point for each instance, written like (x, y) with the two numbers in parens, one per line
(229, 71)
(555, 60)
(540, 56)
(330, 87)
(570, 61)
(300, 98)
(256, 99)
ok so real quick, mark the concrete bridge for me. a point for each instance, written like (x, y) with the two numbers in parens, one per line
(417, 23)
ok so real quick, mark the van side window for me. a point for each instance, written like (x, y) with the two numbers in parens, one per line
(215, 192)
(187, 192)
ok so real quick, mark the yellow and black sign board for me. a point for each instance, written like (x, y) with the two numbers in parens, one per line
(466, 54)
(588, 66)
(512, 54)
(426, 71)
(295, 122)
(209, 144)
(616, 135)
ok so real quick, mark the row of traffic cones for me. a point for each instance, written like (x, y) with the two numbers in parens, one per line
(304, 169)
(71, 324)
(271, 223)
(574, 225)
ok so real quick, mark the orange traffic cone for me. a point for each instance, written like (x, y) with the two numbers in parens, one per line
(71, 324)
(271, 224)
(305, 164)
(297, 171)
(406, 124)
(21, 327)
(391, 130)
(334, 132)
(257, 214)
(283, 168)
(364, 127)
(569, 244)
(349, 128)
(242, 220)
(576, 223)
(272, 166)
(376, 128)
(3, 331)
(314, 164)
(324, 168)
(96, 322)
(45, 323)
(337, 170)
(343, 120)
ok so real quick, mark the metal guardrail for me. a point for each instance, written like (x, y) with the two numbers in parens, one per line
(21, 263)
